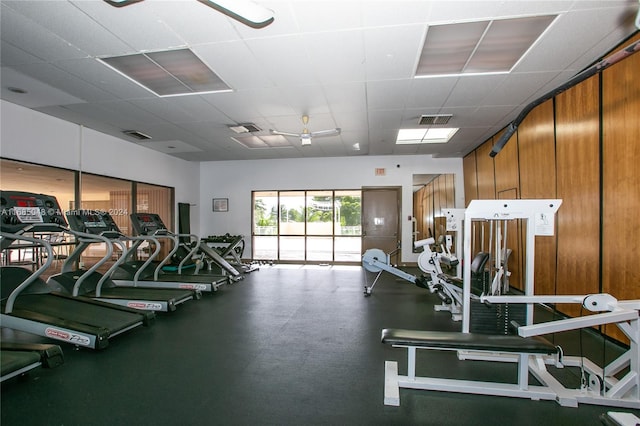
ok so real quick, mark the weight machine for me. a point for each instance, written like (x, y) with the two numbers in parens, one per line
(616, 384)
(377, 261)
(538, 216)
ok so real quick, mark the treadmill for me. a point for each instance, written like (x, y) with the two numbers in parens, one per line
(185, 275)
(17, 359)
(30, 305)
(90, 283)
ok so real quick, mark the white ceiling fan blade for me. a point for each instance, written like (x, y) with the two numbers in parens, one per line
(321, 133)
(277, 132)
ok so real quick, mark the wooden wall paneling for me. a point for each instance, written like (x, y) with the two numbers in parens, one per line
(621, 179)
(470, 178)
(506, 166)
(486, 189)
(536, 153)
(578, 185)
(437, 206)
(451, 190)
(417, 212)
(486, 172)
(515, 243)
(428, 210)
(507, 187)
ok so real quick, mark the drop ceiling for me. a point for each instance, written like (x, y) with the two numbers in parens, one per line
(346, 64)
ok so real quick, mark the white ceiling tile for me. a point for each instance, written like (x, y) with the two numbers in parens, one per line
(169, 147)
(136, 25)
(430, 92)
(11, 56)
(66, 21)
(38, 93)
(387, 94)
(32, 38)
(234, 63)
(392, 52)
(337, 56)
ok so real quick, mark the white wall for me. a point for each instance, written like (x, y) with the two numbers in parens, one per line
(236, 179)
(28, 135)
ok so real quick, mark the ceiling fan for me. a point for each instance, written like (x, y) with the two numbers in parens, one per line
(306, 136)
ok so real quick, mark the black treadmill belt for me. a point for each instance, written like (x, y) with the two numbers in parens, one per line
(188, 278)
(135, 293)
(75, 310)
(16, 360)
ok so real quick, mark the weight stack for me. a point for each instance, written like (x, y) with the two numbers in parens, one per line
(496, 318)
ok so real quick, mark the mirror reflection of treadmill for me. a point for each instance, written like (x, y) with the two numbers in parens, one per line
(178, 268)
(30, 305)
(89, 283)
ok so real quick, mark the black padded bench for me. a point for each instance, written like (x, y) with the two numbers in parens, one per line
(518, 347)
(467, 341)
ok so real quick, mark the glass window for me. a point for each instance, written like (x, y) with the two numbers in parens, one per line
(27, 177)
(265, 225)
(316, 226)
(292, 216)
(156, 199)
(320, 212)
(109, 195)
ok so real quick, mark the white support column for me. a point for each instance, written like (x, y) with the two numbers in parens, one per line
(411, 363)
(523, 371)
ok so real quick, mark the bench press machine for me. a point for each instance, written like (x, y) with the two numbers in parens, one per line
(532, 355)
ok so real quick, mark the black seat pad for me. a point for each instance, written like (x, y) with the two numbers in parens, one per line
(470, 341)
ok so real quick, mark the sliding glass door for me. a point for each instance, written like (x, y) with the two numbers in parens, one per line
(307, 226)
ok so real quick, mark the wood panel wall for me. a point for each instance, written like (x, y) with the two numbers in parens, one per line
(508, 187)
(470, 178)
(578, 185)
(536, 150)
(428, 204)
(621, 180)
(583, 147)
(486, 179)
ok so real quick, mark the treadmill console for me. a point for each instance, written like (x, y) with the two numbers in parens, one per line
(30, 212)
(148, 224)
(93, 222)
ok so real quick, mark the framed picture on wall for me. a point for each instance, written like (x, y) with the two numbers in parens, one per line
(220, 204)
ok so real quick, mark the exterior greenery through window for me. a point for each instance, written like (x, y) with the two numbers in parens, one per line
(314, 226)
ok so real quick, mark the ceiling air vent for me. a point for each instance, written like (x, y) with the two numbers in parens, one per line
(427, 120)
(136, 135)
(245, 128)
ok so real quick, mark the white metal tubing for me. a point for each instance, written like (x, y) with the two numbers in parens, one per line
(576, 323)
(411, 362)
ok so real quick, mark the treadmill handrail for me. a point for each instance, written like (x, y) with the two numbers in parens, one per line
(192, 253)
(87, 239)
(176, 242)
(38, 241)
(150, 259)
(123, 247)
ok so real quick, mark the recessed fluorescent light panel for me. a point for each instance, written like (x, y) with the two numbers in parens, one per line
(168, 73)
(484, 47)
(267, 141)
(424, 136)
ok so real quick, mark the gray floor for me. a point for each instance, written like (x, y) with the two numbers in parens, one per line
(289, 345)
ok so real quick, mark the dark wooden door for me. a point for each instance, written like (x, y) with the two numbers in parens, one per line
(381, 220)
